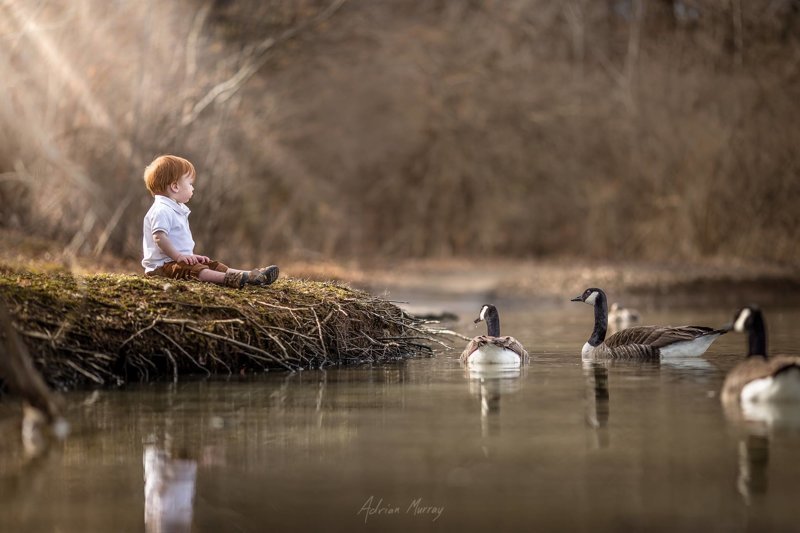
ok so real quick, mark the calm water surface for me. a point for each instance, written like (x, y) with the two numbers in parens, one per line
(561, 445)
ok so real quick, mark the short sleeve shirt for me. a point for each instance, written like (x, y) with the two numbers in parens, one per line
(172, 218)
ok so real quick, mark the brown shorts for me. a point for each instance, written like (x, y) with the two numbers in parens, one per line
(175, 270)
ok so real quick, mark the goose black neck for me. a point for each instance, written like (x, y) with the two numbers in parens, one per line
(757, 335)
(492, 322)
(600, 319)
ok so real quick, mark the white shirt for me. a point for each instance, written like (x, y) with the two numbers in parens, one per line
(172, 218)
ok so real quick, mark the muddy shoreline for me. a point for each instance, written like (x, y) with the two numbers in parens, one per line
(554, 282)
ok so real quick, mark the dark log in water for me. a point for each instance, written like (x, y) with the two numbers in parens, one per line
(18, 372)
(109, 329)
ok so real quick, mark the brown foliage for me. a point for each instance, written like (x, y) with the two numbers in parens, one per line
(398, 128)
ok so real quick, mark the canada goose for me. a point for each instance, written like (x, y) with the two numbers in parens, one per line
(492, 348)
(641, 342)
(760, 378)
(620, 318)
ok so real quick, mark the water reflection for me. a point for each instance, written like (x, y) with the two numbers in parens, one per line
(752, 480)
(597, 403)
(692, 363)
(169, 488)
(758, 425)
(304, 451)
(489, 383)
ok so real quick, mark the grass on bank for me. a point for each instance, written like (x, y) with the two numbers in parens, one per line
(109, 329)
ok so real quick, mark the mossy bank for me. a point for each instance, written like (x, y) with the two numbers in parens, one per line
(109, 329)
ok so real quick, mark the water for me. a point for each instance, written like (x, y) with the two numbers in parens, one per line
(561, 445)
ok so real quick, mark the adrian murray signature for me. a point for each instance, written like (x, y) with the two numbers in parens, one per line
(376, 507)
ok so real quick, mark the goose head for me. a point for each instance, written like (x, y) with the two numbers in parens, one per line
(489, 315)
(589, 296)
(744, 319)
(750, 320)
(488, 310)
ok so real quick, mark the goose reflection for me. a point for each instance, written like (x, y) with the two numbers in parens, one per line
(597, 403)
(490, 382)
(758, 426)
(752, 480)
(169, 487)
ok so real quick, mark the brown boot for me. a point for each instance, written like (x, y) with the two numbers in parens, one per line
(264, 276)
(235, 279)
(268, 274)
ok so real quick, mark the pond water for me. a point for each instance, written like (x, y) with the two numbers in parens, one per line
(561, 445)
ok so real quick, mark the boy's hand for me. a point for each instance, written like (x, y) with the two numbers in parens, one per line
(192, 259)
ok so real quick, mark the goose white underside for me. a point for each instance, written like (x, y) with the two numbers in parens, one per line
(502, 373)
(785, 387)
(586, 351)
(490, 354)
(693, 347)
(774, 415)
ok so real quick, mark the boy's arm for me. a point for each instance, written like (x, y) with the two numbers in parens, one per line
(163, 242)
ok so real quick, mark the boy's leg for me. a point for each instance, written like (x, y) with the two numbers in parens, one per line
(214, 276)
(216, 272)
(173, 270)
(213, 271)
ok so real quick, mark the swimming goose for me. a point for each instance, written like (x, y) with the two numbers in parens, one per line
(641, 342)
(492, 348)
(760, 378)
(620, 318)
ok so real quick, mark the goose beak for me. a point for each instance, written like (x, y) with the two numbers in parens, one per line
(577, 299)
(476, 320)
(728, 326)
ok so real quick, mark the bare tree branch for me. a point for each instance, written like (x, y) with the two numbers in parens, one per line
(224, 90)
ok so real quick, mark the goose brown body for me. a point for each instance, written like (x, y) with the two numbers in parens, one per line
(506, 343)
(641, 342)
(492, 348)
(647, 342)
(779, 371)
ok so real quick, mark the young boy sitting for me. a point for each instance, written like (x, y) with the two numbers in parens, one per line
(168, 244)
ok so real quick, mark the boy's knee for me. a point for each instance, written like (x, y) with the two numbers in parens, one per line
(216, 265)
(174, 270)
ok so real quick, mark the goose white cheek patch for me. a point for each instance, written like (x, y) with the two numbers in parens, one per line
(483, 312)
(592, 297)
(743, 316)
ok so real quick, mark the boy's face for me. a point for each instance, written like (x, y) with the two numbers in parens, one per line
(182, 190)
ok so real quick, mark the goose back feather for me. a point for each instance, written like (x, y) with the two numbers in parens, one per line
(493, 348)
(642, 342)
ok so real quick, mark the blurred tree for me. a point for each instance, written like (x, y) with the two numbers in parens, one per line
(626, 128)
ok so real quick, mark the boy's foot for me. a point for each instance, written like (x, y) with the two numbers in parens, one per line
(270, 274)
(263, 276)
(236, 279)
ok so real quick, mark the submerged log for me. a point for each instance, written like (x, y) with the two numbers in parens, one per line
(111, 329)
(18, 372)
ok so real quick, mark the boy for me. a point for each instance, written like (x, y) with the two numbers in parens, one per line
(168, 245)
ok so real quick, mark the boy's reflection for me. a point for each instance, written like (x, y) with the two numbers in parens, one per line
(169, 486)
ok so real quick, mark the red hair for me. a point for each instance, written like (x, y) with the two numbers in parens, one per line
(166, 170)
